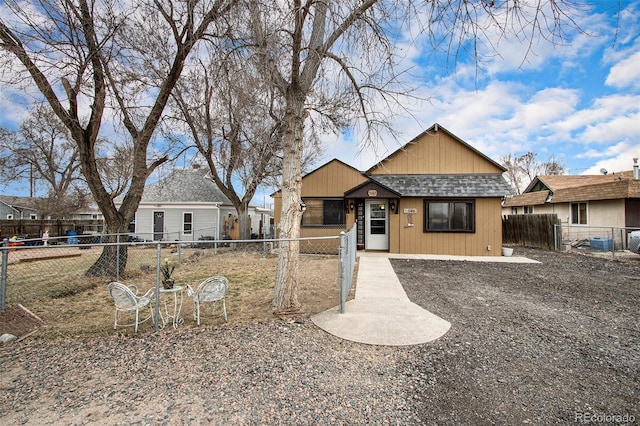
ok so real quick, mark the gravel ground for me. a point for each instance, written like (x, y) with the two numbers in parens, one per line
(553, 343)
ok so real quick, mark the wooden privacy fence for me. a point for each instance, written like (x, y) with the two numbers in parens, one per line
(532, 230)
(33, 228)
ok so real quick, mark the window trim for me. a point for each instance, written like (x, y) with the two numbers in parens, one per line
(450, 201)
(586, 211)
(342, 225)
(185, 232)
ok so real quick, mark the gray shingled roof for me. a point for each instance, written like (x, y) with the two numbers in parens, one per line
(184, 186)
(462, 185)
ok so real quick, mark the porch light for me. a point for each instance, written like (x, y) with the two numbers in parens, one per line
(303, 207)
(351, 206)
(392, 206)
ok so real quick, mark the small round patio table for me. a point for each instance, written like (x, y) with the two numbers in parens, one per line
(169, 315)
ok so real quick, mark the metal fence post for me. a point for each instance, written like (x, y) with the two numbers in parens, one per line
(3, 275)
(118, 257)
(341, 254)
(613, 243)
(157, 295)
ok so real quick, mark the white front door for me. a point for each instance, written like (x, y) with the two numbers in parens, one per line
(376, 225)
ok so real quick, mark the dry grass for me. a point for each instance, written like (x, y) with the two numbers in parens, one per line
(72, 305)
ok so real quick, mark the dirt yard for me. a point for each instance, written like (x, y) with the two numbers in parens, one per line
(540, 344)
(76, 306)
(550, 343)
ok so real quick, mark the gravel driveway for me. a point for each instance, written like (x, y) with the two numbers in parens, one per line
(557, 342)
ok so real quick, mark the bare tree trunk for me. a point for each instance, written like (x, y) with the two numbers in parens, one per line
(243, 222)
(286, 287)
(113, 259)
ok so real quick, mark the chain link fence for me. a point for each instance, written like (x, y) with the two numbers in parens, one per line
(597, 239)
(348, 252)
(43, 272)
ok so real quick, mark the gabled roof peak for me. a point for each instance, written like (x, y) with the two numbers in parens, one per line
(435, 128)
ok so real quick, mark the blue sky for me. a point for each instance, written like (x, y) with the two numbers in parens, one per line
(578, 102)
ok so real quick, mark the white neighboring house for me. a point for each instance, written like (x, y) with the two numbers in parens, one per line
(186, 205)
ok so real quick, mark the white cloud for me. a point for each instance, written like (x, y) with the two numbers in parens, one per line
(621, 127)
(625, 73)
(614, 158)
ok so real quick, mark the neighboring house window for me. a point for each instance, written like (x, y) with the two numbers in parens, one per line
(33, 216)
(528, 209)
(514, 210)
(323, 212)
(9, 216)
(449, 216)
(579, 213)
(187, 223)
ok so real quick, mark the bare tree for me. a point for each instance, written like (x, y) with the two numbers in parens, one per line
(42, 151)
(86, 57)
(521, 170)
(337, 58)
(291, 43)
(231, 117)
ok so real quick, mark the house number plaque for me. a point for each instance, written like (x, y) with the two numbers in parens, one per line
(372, 193)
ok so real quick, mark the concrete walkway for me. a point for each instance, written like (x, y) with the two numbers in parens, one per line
(381, 313)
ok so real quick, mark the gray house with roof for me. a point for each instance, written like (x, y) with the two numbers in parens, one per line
(17, 208)
(187, 205)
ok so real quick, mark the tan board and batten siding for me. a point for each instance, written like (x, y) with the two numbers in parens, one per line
(437, 152)
(330, 180)
(432, 152)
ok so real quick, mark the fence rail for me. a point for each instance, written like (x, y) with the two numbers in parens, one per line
(597, 238)
(38, 271)
(348, 250)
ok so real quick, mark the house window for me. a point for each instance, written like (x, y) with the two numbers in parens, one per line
(579, 213)
(323, 212)
(33, 216)
(449, 216)
(187, 223)
(528, 209)
(514, 210)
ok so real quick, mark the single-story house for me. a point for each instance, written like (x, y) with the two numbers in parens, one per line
(187, 205)
(88, 213)
(606, 200)
(17, 208)
(435, 195)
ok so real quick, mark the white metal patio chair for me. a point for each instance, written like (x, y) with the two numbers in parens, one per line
(210, 290)
(126, 299)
